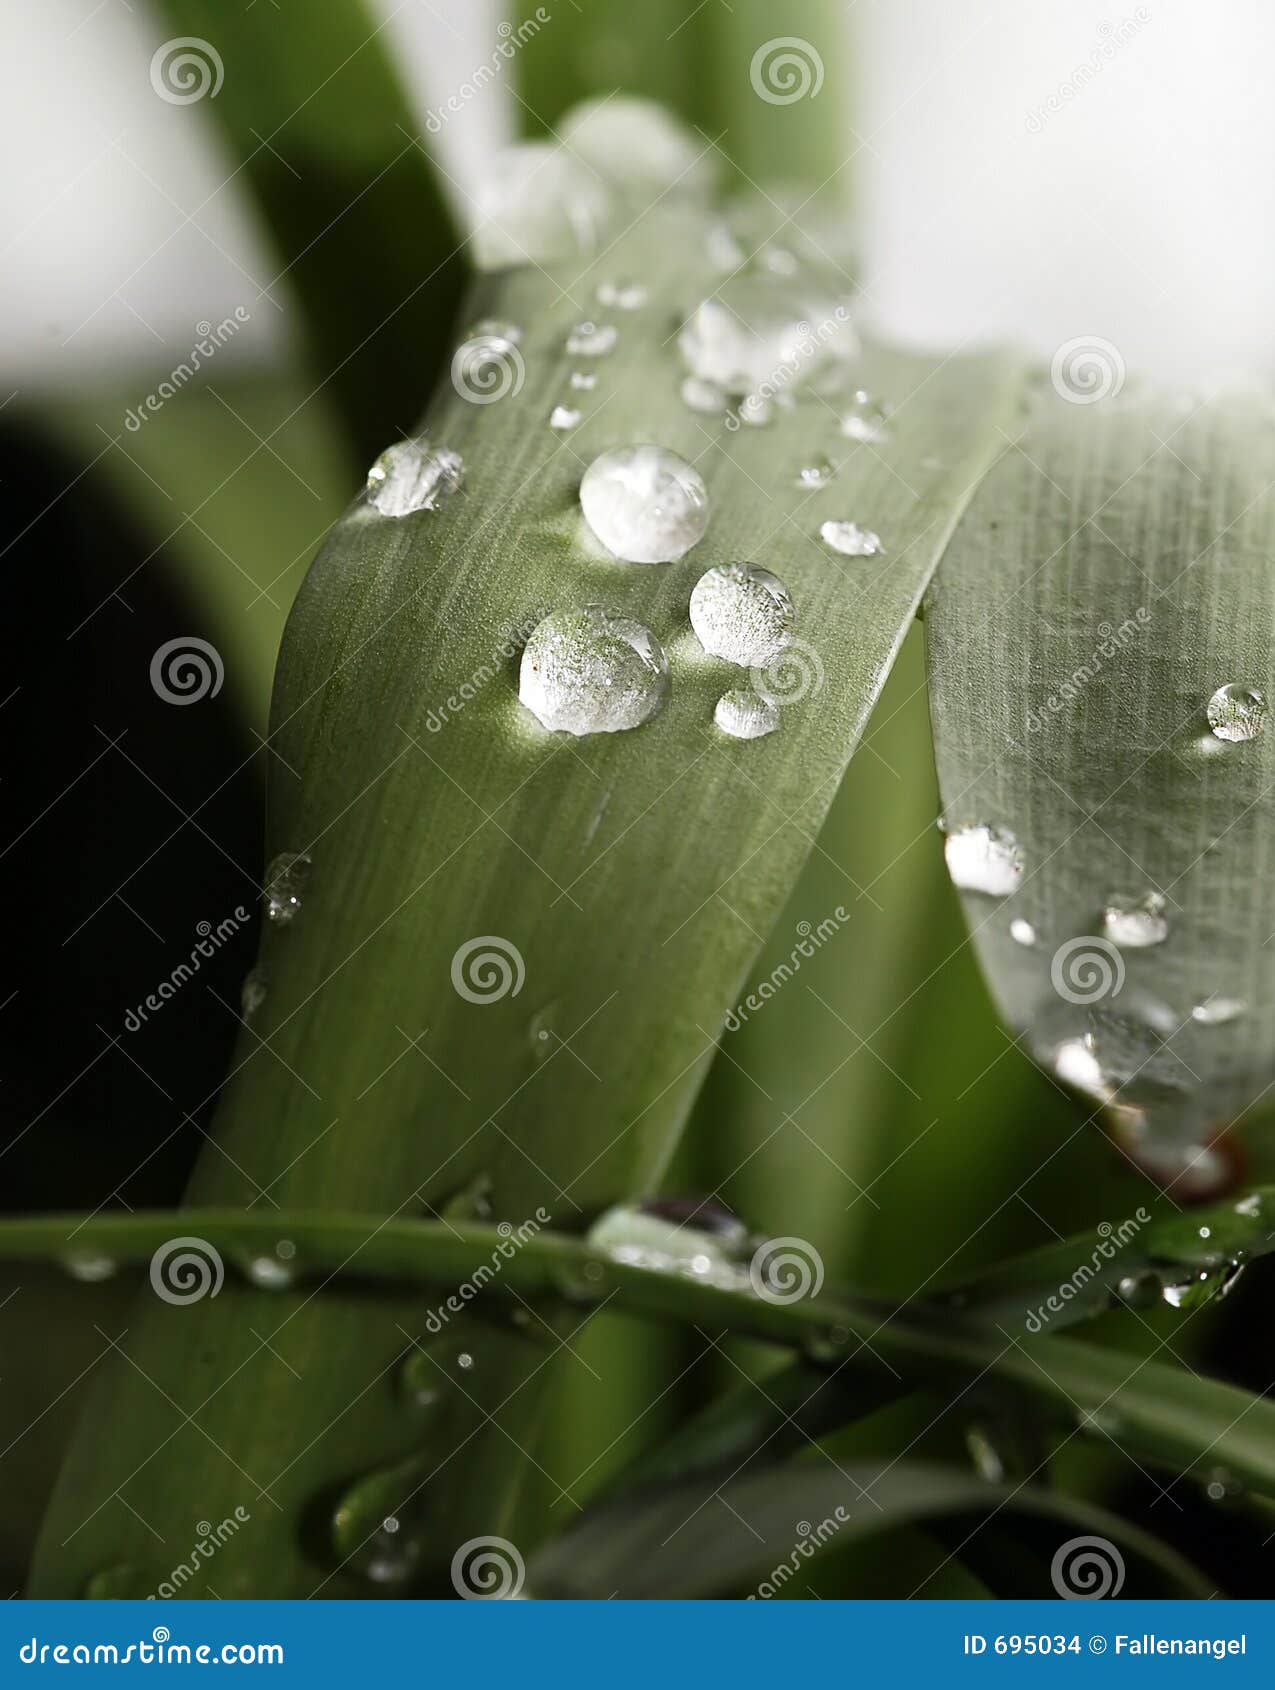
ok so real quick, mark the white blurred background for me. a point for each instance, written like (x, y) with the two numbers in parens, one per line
(1039, 169)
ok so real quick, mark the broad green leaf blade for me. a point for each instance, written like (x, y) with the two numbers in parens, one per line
(759, 1531)
(1114, 573)
(627, 878)
(319, 130)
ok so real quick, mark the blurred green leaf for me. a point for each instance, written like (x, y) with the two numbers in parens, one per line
(316, 125)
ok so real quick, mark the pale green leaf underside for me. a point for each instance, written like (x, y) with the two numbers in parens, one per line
(1114, 571)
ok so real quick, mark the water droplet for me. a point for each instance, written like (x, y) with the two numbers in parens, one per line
(625, 296)
(413, 476)
(420, 1379)
(584, 381)
(865, 421)
(779, 260)
(592, 340)
(988, 1461)
(541, 1033)
(1250, 1206)
(286, 881)
(692, 1236)
(1133, 922)
(465, 1361)
(563, 418)
(1217, 1010)
(537, 203)
(1237, 712)
(1076, 1065)
(637, 146)
(702, 396)
(850, 540)
(1022, 932)
(1221, 1485)
(745, 714)
(270, 1274)
(984, 858)
(252, 994)
(90, 1267)
(1139, 1290)
(741, 612)
(586, 672)
(359, 1536)
(758, 334)
(816, 473)
(644, 503)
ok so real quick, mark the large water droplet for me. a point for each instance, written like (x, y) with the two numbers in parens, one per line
(741, 612)
(413, 476)
(745, 714)
(1216, 1010)
(644, 503)
(637, 146)
(984, 858)
(1133, 922)
(850, 540)
(286, 881)
(537, 203)
(586, 671)
(1237, 712)
(759, 334)
(592, 340)
(688, 1235)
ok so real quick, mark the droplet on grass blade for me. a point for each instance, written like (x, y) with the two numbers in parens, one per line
(644, 503)
(586, 671)
(744, 714)
(286, 882)
(741, 612)
(850, 540)
(413, 476)
(984, 858)
(1135, 921)
(1237, 713)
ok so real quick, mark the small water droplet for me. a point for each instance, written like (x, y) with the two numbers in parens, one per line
(1237, 713)
(1022, 932)
(269, 1273)
(988, 1461)
(1133, 922)
(1216, 1010)
(592, 340)
(90, 1267)
(745, 714)
(644, 503)
(984, 858)
(815, 473)
(584, 381)
(586, 671)
(865, 421)
(1221, 1485)
(413, 476)
(563, 418)
(465, 1361)
(743, 613)
(625, 296)
(286, 882)
(252, 994)
(850, 540)
(700, 395)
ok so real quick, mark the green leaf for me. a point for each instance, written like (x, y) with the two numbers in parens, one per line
(633, 874)
(1113, 573)
(704, 1540)
(318, 128)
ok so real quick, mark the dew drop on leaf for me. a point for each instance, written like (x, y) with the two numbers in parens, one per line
(413, 476)
(592, 340)
(587, 671)
(644, 503)
(563, 418)
(745, 714)
(624, 296)
(1135, 921)
(286, 882)
(741, 612)
(1237, 713)
(850, 540)
(984, 859)
(702, 396)
(1216, 1010)
(1022, 932)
